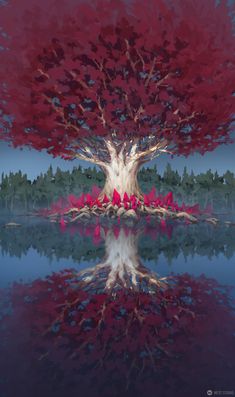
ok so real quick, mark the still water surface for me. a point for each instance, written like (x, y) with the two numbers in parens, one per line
(116, 310)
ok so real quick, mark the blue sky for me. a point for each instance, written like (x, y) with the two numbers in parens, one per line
(33, 162)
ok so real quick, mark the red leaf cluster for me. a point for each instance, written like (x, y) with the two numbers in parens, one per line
(72, 71)
(63, 206)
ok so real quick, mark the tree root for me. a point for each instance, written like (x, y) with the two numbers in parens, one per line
(113, 211)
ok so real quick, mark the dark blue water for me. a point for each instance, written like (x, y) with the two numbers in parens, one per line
(116, 309)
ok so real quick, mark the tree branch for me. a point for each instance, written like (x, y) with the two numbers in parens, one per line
(86, 149)
(81, 82)
(141, 58)
(58, 109)
(130, 111)
(152, 151)
(102, 117)
(128, 55)
(150, 73)
(94, 159)
(111, 149)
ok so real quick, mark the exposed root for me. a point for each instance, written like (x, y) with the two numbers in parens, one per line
(120, 274)
(114, 211)
(213, 221)
(126, 206)
(121, 268)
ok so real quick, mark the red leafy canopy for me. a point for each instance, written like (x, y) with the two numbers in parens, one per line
(84, 70)
(136, 336)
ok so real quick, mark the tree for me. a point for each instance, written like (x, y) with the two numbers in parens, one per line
(187, 181)
(171, 177)
(229, 179)
(119, 87)
(151, 335)
(217, 180)
(79, 242)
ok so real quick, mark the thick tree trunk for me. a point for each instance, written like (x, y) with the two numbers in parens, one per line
(121, 162)
(121, 176)
(121, 266)
(122, 259)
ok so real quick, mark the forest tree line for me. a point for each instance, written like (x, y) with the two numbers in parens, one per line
(78, 245)
(17, 192)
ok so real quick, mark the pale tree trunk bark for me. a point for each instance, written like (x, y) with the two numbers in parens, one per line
(122, 176)
(120, 164)
(121, 265)
(121, 171)
(122, 259)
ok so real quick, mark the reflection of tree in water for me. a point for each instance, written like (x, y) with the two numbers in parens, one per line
(80, 243)
(190, 240)
(121, 266)
(47, 239)
(117, 330)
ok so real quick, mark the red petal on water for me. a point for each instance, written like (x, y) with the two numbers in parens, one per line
(97, 231)
(106, 200)
(116, 198)
(169, 198)
(89, 200)
(97, 202)
(133, 201)
(62, 222)
(134, 205)
(146, 200)
(126, 198)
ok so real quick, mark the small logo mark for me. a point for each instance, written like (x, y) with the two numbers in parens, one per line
(209, 392)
